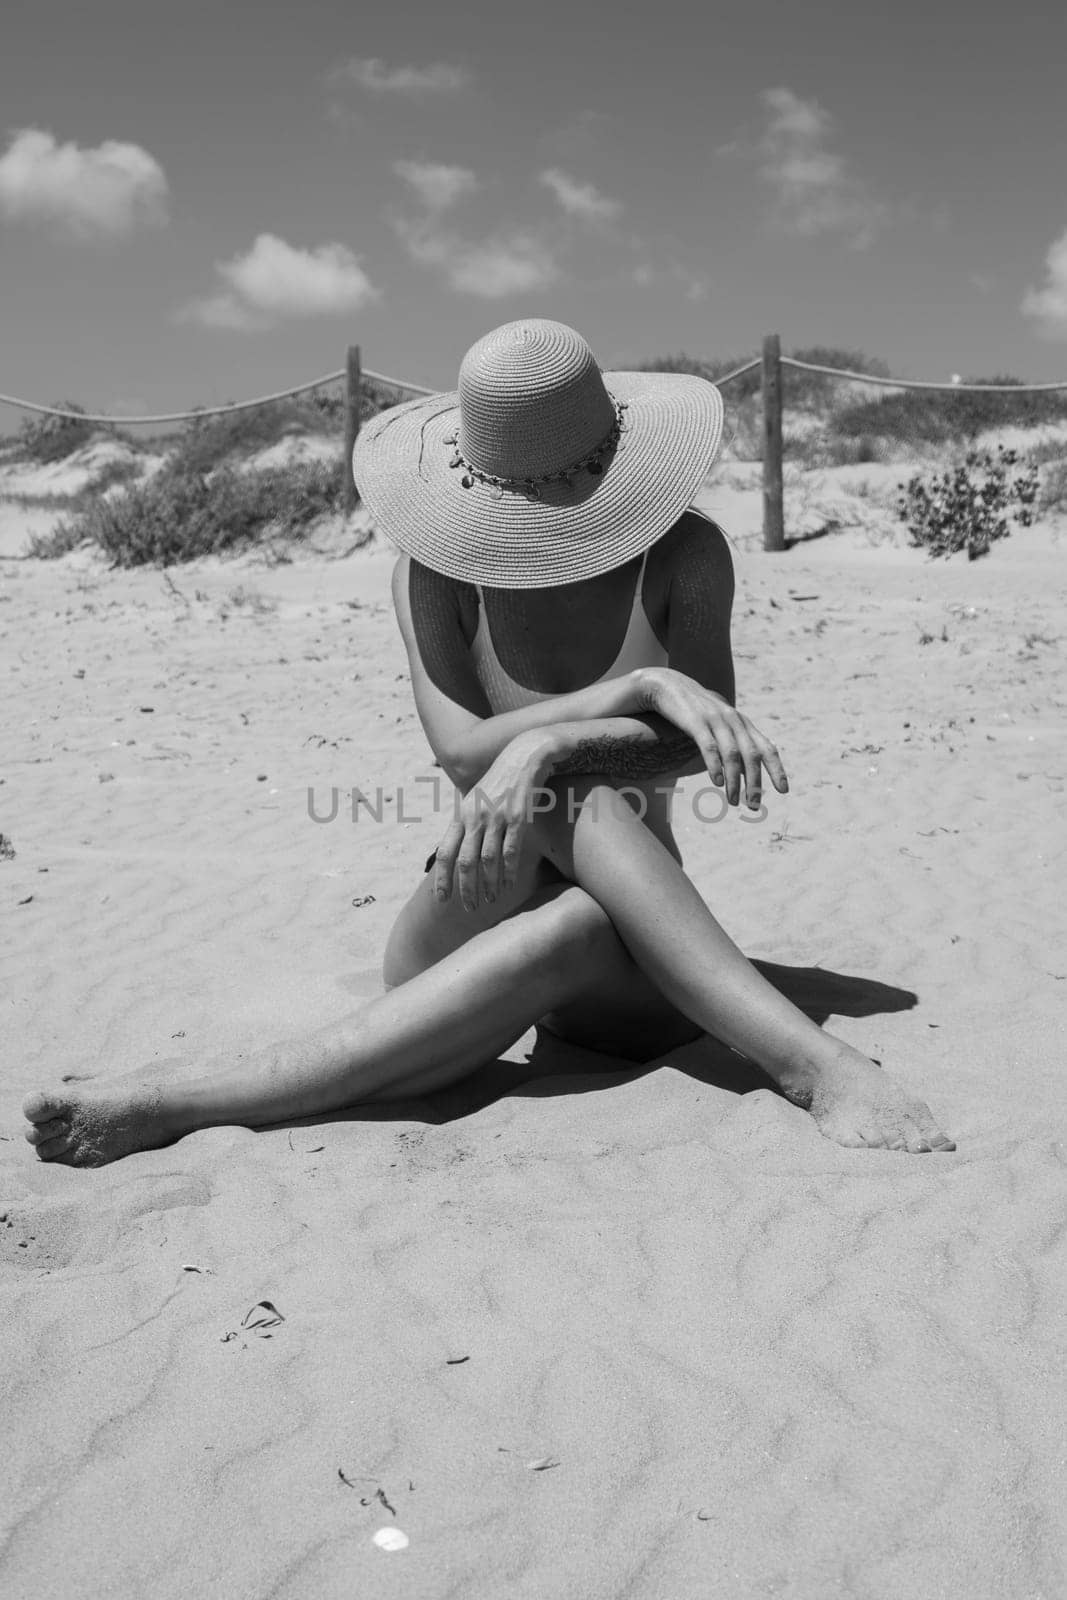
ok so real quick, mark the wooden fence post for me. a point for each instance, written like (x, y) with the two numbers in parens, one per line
(773, 510)
(352, 399)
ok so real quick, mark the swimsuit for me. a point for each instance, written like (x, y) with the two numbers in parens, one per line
(640, 648)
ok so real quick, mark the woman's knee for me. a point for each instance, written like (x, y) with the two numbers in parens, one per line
(569, 935)
(552, 832)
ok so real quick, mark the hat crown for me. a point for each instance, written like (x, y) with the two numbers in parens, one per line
(532, 400)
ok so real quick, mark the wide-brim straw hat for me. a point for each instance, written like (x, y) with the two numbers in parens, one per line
(540, 469)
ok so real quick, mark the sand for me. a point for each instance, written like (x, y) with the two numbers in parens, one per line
(576, 1329)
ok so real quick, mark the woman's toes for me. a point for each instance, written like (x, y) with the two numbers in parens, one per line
(52, 1149)
(42, 1107)
(851, 1138)
(38, 1132)
(876, 1138)
(930, 1131)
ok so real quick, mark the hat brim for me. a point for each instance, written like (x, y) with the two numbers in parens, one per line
(510, 540)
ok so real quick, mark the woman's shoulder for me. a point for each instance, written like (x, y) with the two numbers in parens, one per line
(411, 577)
(427, 600)
(695, 543)
(691, 560)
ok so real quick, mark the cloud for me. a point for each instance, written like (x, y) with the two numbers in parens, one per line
(1048, 305)
(437, 186)
(223, 310)
(673, 275)
(104, 191)
(516, 263)
(815, 193)
(579, 199)
(802, 120)
(510, 262)
(275, 280)
(367, 72)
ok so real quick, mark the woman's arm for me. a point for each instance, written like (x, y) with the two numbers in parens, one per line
(464, 734)
(690, 573)
(652, 722)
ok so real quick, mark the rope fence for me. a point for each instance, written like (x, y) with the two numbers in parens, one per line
(210, 411)
(737, 372)
(912, 383)
(355, 377)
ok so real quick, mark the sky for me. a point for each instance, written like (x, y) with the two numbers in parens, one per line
(206, 202)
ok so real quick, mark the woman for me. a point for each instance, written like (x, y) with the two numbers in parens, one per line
(566, 617)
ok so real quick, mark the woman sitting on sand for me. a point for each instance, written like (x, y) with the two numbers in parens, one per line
(567, 621)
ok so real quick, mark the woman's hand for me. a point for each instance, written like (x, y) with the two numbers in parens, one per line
(730, 745)
(479, 854)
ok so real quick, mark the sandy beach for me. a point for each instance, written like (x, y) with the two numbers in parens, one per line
(578, 1330)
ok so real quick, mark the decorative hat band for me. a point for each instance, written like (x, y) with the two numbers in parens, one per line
(593, 463)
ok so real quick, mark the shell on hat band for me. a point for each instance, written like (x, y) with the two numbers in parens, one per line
(592, 463)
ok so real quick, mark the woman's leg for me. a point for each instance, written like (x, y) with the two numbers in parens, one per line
(438, 1026)
(595, 839)
(476, 999)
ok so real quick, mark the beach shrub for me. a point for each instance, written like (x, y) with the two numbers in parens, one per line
(117, 471)
(967, 507)
(46, 439)
(178, 515)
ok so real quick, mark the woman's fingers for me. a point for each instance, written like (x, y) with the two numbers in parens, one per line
(734, 767)
(730, 758)
(709, 751)
(773, 762)
(750, 760)
(479, 855)
(492, 863)
(459, 861)
(744, 752)
(703, 735)
(510, 851)
(469, 864)
(445, 867)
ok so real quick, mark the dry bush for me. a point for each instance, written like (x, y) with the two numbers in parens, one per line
(178, 515)
(967, 507)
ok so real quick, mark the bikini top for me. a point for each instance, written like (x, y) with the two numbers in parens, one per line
(640, 648)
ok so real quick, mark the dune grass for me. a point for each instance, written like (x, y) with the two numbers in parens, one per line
(43, 440)
(938, 417)
(205, 444)
(804, 389)
(180, 514)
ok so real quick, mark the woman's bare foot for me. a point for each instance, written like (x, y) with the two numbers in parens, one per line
(855, 1103)
(89, 1123)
